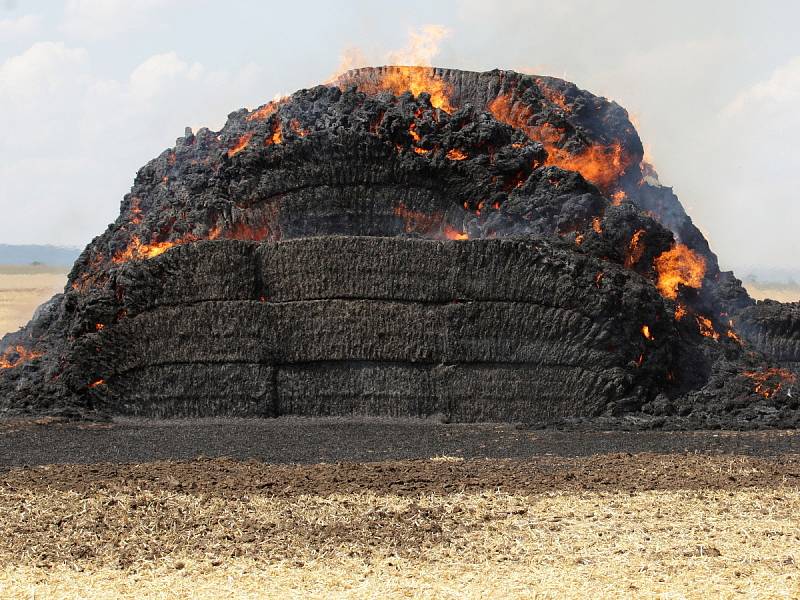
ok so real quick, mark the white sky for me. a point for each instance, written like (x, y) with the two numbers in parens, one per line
(90, 90)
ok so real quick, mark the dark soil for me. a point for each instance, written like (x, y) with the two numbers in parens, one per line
(331, 440)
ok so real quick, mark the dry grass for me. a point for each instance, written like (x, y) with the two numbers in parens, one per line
(22, 289)
(141, 540)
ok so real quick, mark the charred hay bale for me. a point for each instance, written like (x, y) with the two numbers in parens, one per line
(491, 329)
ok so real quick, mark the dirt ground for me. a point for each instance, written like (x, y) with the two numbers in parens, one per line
(23, 289)
(371, 508)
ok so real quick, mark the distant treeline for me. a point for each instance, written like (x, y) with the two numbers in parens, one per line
(32, 254)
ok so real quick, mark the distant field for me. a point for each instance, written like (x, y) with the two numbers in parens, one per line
(773, 292)
(23, 288)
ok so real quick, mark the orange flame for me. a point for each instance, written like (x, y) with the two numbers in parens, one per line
(732, 335)
(136, 250)
(412, 130)
(679, 266)
(680, 311)
(99, 327)
(706, 327)
(240, 145)
(602, 165)
(277, 135)
(769, 382)
(416, 80)
(456, 154)
(266, 111)
(646, 332)
(23, 355)
(96, 383)
(597, 226)
(618, 197)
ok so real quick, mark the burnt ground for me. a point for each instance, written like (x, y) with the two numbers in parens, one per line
(289, 440)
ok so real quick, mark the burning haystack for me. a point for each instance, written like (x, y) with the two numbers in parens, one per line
(407, 241)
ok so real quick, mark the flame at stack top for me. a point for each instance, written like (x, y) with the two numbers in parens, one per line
(399, 80)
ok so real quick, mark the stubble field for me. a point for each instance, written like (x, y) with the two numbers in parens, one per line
(663, 521)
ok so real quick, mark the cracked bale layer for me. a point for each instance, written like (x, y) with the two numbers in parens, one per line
(196, 390)
(462, 392)
(377, 268)
(528, 330)
(512, 360)
(700, 527)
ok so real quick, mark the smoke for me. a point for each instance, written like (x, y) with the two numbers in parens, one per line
(422, 46)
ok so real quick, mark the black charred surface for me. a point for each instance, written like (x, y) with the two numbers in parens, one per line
(774, 329)
(356, 250)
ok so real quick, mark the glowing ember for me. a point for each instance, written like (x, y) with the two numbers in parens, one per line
(553, 96)
(706, 327)
(618, 197)
(732, 335)
(240, 145)
(602, 165)
(14, 356)
(97, 383)
(597, 226)
(769, 382)
(680, 311)
(244, 232)
(636, 249)
(294, 125)
(416, 221)
(679, 266)
(99, 327)
(136, 211)
(422, 151)
(456, 154)
(598, 279)
(646, 332)
(454, 234)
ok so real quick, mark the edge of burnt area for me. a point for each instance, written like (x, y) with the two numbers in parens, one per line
(297, 441)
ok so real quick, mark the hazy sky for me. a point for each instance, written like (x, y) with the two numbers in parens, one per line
(90, 90)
